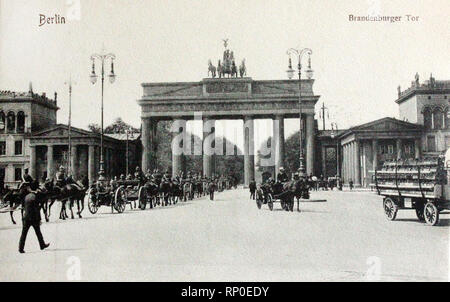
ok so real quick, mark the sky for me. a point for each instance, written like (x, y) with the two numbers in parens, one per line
(358, 65)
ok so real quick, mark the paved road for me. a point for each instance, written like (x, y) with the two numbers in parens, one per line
(229, 239)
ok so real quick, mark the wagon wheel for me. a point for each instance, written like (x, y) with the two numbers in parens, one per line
(119, 200)
(419, 211)
(92, 204)
(258, 201)
(431, 214)
(390, 208)
(142, 198)
(270, 202)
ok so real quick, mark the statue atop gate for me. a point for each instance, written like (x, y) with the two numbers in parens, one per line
(228, 65)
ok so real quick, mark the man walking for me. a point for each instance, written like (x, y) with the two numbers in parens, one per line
(252, 188)
(211, 189)
(31, 218)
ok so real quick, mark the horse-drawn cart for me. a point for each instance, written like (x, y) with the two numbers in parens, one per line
(413, 184)
(285, 193)
(100, 194)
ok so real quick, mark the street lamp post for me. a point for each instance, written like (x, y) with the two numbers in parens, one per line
(309, 74)
(333, 135)
(69, 164)
(102, 57)
(129, 136)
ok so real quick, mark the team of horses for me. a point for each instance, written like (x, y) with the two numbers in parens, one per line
(163, 192)
(47, 194)
(286, 192)
(167, 192)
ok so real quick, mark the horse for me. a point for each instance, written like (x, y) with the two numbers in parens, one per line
(69, 192)
(188, 189)
(14, 197)
(242, 69)
(165, 188)
(211, 69)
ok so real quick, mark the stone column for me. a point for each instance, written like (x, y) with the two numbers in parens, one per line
(278, 134)
(91, 163)
(33, 161)
(357, 163)
(178, 143)
(73, 161)
(374, 154)
(249, 150)
(208, 150)
(324, 158)
(310, 143)
(50, 161)
(417, 148)
(399, 148)
(149, 146)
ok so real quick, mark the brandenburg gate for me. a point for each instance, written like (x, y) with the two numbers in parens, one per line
(227, 98)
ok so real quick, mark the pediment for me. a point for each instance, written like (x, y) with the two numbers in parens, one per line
(388, 124)
(62, 130)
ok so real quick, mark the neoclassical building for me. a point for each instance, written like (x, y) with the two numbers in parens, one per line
(31, 138)
(423, 129)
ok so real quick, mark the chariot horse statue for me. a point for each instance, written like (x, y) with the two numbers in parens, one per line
(211, 69)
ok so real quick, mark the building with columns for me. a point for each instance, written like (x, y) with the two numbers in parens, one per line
(422, 130)
(31, 138)
(232, 99)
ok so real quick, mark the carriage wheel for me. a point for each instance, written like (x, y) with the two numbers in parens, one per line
(92, 205)
(142, 198)
(390, 208)
(258, 202)
(420, 211)
(431, 214)
(270, 202)
(119, 200)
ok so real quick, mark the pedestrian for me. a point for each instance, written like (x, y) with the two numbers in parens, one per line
(31, 218)
(211, 188)
(252, 188)
(350, 184)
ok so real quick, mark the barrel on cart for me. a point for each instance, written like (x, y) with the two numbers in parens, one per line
(420, 185)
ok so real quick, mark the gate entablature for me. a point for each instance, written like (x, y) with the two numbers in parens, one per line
(227, 98)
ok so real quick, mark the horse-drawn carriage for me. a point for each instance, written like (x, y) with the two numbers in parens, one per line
(413, 184)
(103, 194)
(285, 193)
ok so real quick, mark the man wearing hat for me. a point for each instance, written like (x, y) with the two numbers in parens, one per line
(282, 176)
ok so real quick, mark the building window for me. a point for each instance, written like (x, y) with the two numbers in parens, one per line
(11, 121)
(2, 121)
(3, 148)
(390, 149)
(20, 122)
(427, 120)
(17, 174)
(431, 143)
(438, 119)
(18, 147)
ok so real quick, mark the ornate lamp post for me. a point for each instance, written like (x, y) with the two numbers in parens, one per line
(102, 57)
(309, 74)
(129, 136)
(338, 170)
(70, 168)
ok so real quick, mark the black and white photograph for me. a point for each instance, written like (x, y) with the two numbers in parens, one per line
(224, 141)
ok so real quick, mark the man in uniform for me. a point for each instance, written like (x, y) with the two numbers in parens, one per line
(60, 178)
